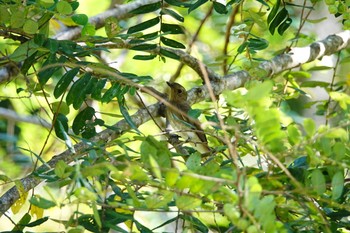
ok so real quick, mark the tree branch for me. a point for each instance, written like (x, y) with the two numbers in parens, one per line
(294, 58)
(12, 115)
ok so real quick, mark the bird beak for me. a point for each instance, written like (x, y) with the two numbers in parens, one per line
(170, 84)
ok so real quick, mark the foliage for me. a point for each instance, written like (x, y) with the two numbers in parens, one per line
(298, 182)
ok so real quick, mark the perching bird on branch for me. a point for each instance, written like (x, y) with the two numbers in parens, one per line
(177, 116)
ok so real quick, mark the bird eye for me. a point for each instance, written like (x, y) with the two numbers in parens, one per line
(179, 91)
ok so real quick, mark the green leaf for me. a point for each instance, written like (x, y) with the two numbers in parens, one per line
(144, 47)
(22, 223)
(126, 115)
(96, 215)
(63, 83)
(88, 30)
(64, 8)
(5, 15)
(220, 8)
(280, 17)
(144, 25)
(112, 27)
(87, 88)
(111, 93)
(284, 26)
(41, 202)
(61, 126)
(342, 98)
(320, 68)
(150, 36)
(273, 11)
(298, 74)
(175, 15)
(80, 19)
(257, 43)
(194, 161)
(97, 90)
(172, 43)
(79, 123)
(76, 89)
(241, 48)
(196, 5)
(309, 127)
(37, 222)
(316, 20)
(159, 152)
(337, 133)
(68, 47)
(188, 202)
(30, 26)
(62, 170)
(196, 223)
(144, 57)
(171, 176)
(178, 3)
(24, 51)
(51, 45)
(169, 54)
(318, 181)
(50, 66)
(30, 61)
(171, 28)
(260, 91)
(294, 134)
(337, 185)
(314, 84)
(147, 8)
(17, 19)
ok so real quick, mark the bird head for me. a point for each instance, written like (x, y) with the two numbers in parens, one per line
(177, 92)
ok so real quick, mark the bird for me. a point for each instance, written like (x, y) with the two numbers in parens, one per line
(178, 118)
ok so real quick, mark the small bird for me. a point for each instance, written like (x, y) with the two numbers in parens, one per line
(179, 119)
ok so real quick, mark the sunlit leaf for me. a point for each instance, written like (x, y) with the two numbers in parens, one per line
(64, 8)
(318, 181)
(337, 185)
(30, 26)
(188, 202)
(41, 202)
